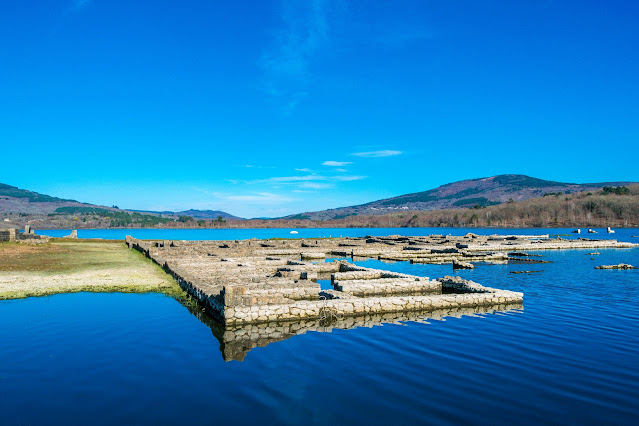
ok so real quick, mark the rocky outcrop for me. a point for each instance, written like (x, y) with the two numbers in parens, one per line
(619, 266)
(458, 264)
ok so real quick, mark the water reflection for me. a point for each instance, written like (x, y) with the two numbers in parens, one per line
(237, 341)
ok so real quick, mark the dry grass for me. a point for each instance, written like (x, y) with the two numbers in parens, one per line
(65, 266)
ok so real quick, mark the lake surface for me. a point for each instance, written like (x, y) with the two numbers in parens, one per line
(569, 356)
(623, 234)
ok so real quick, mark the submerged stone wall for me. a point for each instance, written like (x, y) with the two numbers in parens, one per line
(259, 281)
(237, 340)
(363, 306)
(250, 282)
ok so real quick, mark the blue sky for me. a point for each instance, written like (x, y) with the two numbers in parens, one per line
(274, 107)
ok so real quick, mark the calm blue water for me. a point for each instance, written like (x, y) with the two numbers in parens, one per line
(570, 356)
(244, 234)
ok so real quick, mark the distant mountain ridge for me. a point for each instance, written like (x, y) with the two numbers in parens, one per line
(197, 214)
(462, 194)
(15, 192)
(16, 200)
(480, 192)
(22, 201)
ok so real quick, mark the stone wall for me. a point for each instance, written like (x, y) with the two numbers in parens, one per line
(14, 235)
(7, 234)
(252, 282)
(365, 306)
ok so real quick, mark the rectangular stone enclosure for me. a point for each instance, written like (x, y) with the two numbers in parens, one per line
(262, 281)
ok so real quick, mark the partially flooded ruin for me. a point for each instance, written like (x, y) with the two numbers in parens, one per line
(273, 281)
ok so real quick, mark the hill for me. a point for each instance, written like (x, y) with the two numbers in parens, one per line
(22, 201)
(20, 206)
(197, 214)
(480, 192)
(559, 205)
(610, 206)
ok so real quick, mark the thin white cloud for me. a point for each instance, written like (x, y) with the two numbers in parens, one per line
(243, 204)
(286, 62)
(304, 170)
(289, 179)
(377, 154)
(303, 181)
(252, 166)
(341, 170)
(315, 185)
(259, 197)
(79, 4)
(336, 163)
(348, 178)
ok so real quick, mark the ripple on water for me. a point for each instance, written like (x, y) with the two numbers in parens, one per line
(568, 356)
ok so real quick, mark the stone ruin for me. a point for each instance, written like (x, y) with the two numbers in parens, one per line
(263, 281)
(73, 235)
(262, 291)
(12, 234)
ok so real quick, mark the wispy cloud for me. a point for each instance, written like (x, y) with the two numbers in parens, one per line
(303, 181)
(348, 178)
(304, 170)
(341, 170)
(376, 154)
(79, 4)
(259, 197)
(336, 163)
(315, 185)
(287, 61)
(252, 166)
(289, 179)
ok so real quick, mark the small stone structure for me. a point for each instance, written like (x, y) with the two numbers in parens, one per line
(9, 234)
(619, 266)
(14, 235)
(73, 234)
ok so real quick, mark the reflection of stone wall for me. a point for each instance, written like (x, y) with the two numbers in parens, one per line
(237, 341)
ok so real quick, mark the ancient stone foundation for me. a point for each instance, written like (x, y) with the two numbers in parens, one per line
(13, 235)
(253, 282)
(265, 281)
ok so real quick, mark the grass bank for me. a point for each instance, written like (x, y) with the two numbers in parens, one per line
(71, 266)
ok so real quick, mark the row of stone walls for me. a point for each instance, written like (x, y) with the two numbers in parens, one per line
(363, 306)
(238, 284)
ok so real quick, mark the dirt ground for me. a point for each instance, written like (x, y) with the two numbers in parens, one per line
(66, 266)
